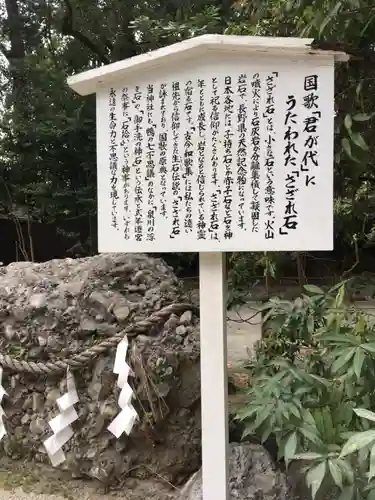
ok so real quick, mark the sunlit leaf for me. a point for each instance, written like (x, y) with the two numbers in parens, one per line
(348, 122)
(370, 347)
(308, 456)
(314, 478)
(290, 447)
(359, 141)
(358, 441)
(371, 473)
(340, 296)
(336, 473)
(362, 117)
(313, 289)
(358, 362)
(363, 413)
(342, 360)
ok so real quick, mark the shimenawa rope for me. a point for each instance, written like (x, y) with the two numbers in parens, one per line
(85, 357)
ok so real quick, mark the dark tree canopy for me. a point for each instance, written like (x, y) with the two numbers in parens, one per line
(47, 140)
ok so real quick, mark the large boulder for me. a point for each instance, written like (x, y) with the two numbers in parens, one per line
(252, 476)
(57, 309)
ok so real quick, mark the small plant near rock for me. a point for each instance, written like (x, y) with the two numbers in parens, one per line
(313, 390)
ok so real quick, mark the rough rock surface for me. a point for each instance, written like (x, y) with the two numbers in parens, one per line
(252, 477)
(58, 308)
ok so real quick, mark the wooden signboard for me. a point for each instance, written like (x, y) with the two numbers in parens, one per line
(212, 145)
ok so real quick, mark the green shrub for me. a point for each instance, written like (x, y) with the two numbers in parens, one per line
(313, 390)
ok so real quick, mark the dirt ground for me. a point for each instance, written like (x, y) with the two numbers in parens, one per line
(19, 481)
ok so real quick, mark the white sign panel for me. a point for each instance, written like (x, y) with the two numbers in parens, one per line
(231, 156)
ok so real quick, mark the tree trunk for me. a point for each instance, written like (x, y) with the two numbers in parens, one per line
(15, 27)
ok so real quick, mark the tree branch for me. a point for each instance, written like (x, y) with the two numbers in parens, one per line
(68, 29)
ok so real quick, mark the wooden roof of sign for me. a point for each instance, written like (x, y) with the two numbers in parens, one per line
(88, 82)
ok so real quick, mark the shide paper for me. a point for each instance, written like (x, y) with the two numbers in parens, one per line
(60, 424)
(2, 414)
(125, 419)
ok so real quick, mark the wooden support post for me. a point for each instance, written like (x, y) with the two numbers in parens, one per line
(214, 376)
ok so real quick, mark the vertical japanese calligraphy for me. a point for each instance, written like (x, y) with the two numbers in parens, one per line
(113, 156)
(150, 163)
(228, 157)
(163, 145)
(188, 157)
(201, 224)
(214, 130)
(269, 161)
(216, 157)
(176, 167)
(310, 130)
(125, 169)
(137, 165)
(290, 218)
(255, 157)
(241, 177)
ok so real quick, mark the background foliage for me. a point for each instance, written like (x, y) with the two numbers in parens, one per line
(47, 133)
(312, 390)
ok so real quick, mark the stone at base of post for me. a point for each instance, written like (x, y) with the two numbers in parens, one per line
(214, 380)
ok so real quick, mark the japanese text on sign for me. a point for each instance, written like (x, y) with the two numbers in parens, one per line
(212, 162)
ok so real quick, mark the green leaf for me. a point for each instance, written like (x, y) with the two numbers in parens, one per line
(313, 289)
(369, 415)
(314, 478)
(331, 15)
(371, 473)
(347, 493)
(266, 434)
(363, 455)
(336, 473)
(348, 122)
(359, 141)
(310, 324)
(343, 339)
(358, 441)
(338, 285)
(308, 456)
(369, 347)
(290, 447)
(340, 296)
(348, 149)
(294, 411)
(247, 412)
(329, 431)
(343, 359)
(362, 117)
(358, 362)
(347, 471)
(261, 417)
(311, 436)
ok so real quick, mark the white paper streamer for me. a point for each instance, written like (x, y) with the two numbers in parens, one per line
(60, 425)
(125, 419)
(2, 414)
